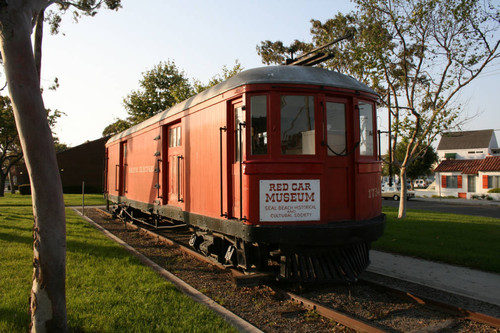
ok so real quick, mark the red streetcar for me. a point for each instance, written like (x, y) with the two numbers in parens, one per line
(273, 168)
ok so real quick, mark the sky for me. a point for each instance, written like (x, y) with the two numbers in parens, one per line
(100, 60)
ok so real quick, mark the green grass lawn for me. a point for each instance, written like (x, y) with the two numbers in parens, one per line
(469, 241)
(108, 290)
(69, 200)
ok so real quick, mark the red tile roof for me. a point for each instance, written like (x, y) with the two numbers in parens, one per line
(459, 165)
(490, 163)
(470, 167)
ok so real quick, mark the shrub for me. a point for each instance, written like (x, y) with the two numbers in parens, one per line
(494, 190)
(25, 189)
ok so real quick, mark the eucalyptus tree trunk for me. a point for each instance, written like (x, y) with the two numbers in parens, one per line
(404, 190)
(11, 181)
(48, 302)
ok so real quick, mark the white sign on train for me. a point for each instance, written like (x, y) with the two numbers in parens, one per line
(289, 200)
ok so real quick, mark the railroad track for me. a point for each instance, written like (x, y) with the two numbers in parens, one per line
(451, 317)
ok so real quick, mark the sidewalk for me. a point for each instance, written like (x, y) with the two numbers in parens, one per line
(469, 202)
(458, 280)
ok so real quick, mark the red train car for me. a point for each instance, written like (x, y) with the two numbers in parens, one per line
(275, 168)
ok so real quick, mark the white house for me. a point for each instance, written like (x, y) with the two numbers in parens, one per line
(467, 145)
(468, 178)
(469, 164)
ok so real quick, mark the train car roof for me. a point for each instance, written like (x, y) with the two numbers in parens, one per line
(260, 75)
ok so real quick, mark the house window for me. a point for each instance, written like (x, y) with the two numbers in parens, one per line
(450, 156)
(451, 182)
(493, 181)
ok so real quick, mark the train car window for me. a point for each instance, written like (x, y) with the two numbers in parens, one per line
(174, 137)
(258, 119)
(171, 137)
(297, 125)
(366, 129)
(239, 124)
(335, 128)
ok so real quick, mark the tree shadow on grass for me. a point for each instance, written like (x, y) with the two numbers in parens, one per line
(15, 238)
(98, 250)
(17, 321)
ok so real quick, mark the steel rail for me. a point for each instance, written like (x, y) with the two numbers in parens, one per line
(449, 308)
(359, 325)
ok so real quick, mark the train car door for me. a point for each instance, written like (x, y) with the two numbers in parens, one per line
(175, 165)
(239, 151)
(340, 158)
(122, 172)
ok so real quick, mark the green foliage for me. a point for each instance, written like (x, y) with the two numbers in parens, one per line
(277, 53)
(8, 127)
(419, 167)
(52, 118)
(79, 8)
(470, 241)
(10, 147)
(226, 74)
(160, 88)
(59, 146)
(118, 126)
(494, 190)
(482, 196)
(100, 275)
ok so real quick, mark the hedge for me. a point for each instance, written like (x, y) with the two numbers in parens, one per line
(25, 189)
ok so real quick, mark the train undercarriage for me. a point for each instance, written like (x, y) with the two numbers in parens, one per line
(295, 262)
